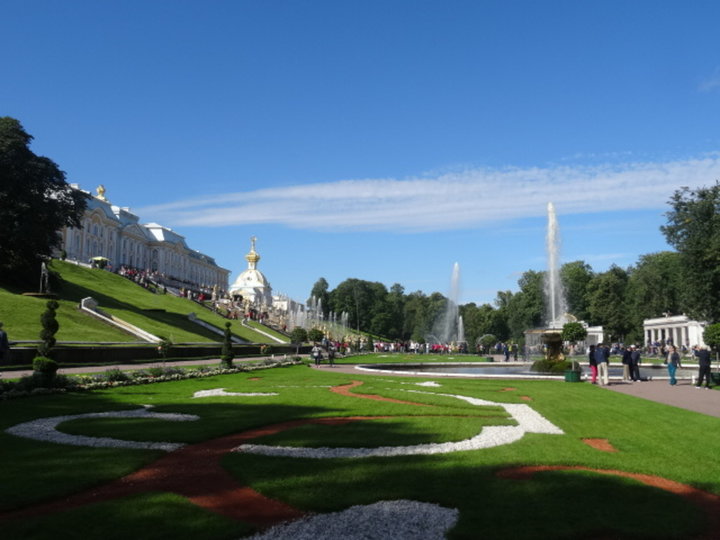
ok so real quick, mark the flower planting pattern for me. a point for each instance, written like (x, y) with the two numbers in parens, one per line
(528, 421)
(400, 519)
(45, 429)
(221, 392)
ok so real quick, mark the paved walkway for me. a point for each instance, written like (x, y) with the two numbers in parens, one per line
(684, 395)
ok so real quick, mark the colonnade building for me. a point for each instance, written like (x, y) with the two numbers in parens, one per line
(677, 329)
(116, 234)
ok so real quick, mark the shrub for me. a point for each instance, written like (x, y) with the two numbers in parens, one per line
(43, 364)
(554, 366)
(164, 346)
(226, 355)
(50, 327)
(115, 375)
(155, 371)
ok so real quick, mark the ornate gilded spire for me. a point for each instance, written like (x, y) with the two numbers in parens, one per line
(252, 258)
(101, 192)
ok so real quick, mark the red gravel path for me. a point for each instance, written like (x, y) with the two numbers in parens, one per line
(344, 390)
(195, 472)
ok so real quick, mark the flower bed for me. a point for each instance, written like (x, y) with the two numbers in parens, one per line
(116, 378)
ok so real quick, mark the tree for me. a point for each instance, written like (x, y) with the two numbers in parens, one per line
(44, 366)
(525, 308)
(575, 277)
(573, 332)
(606, 302)
(315, 334)
(362, 300)
(711, 336)
(35, 204)
(321, 294)
(654, 288)
(226, 354)
(298, 336)
(693, 229)
(50, 326)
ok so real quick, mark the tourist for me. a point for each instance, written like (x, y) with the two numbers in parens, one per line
(635, 363)
(627, 361)
(316, 354)
(593, 364)
(4, 345)
(703, 356)
(601, 358)
(673, 364)
(331, 355)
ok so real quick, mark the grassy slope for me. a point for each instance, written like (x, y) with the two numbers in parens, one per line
(650, 438)
(117, 296)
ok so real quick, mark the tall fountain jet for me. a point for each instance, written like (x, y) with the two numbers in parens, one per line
(554, 294)
(446, 328)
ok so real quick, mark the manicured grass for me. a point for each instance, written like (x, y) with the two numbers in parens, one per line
(650, 438)
(160, 314)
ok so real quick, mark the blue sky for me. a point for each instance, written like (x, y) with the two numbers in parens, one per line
(382, 140)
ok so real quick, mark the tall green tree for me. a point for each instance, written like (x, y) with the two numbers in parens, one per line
(607, 302)
(526, 307)
(655, 287)
(693, 229)
(575, 277)
(415, 325)
(320, 293)
(362, 300)
(35, 204)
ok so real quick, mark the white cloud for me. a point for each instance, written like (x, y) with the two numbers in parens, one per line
(713, 83)
(455, 200)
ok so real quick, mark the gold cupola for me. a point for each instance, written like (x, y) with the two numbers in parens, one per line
(252, 258)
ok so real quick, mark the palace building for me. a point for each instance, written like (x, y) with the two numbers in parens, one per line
(114, 233)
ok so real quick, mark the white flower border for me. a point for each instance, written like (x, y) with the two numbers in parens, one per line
(400, 520)
(528, 420)
(221, 392)
(45, 429)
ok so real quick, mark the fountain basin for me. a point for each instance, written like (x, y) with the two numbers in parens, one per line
(509, 370)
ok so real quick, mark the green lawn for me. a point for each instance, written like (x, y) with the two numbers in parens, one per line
(161, 315)
(650, 438)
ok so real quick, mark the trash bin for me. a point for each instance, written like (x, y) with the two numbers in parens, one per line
(715, 378)
(572, 376)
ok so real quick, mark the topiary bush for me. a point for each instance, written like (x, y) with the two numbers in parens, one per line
(50, 326)
(226, 354)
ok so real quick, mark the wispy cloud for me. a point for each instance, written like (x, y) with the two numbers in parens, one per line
(712, 83)
(456, 200)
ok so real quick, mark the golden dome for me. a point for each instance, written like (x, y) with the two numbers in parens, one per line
(253, 256)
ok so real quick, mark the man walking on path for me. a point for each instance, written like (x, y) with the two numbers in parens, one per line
(703, 356)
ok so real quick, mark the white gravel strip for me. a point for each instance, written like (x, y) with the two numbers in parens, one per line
(45, 429)
(398, 520)
(222, 392)
(529, 421)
